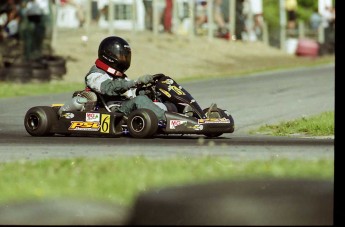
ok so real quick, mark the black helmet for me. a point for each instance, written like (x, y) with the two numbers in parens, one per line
(115, 52)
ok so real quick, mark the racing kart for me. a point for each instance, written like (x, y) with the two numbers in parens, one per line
(183, 116)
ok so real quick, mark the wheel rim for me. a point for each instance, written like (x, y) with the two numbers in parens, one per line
(138, 124)
(33, 122)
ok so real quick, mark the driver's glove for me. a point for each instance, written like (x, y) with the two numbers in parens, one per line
(145, 79)
(144, 92)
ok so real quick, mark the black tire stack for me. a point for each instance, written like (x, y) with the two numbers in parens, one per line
(43, 69)
(56, 66)
(2, 74)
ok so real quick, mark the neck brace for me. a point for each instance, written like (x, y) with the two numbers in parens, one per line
(105, 67)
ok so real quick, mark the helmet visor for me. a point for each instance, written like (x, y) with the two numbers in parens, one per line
(122, 57)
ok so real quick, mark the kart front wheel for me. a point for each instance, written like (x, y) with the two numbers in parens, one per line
(39, 120)
(219, 113)
(142, 123)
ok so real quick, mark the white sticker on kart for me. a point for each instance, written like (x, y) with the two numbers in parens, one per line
(213, 120)
(92, 117)
(175, 123)
(197, 127)
(68, 115)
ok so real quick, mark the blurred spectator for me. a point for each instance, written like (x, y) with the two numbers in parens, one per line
(103, 8)
(257, 10)
(148, 14)
(78, 5)
(248, 33)
(223, 31)
(9, 27)
(33, 27)
(328, 23)
(328, 16)
(315, 20)
(167, 21)
(291, 9)
(201, 17)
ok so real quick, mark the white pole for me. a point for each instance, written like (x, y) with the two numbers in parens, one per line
(134, 16)
(111, 17)
(88, 16)
(232, 17)
(155, 17)
(265, 33)
(282, 14)
(210, 19)
(192, 19)
(54, 24)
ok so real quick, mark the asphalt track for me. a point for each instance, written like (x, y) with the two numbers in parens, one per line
(252, 100)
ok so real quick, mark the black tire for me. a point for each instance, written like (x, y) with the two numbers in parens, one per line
(19, 74)
(39, 120)
(3, 72)
(218, 114)
(56, 66)
(142, 123)
(40, 75)
(53, 60)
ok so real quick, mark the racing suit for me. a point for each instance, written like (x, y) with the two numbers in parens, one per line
(115, 88)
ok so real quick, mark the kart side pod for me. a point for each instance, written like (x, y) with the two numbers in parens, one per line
(180, 124)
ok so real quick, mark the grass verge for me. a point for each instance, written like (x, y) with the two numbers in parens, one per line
(317, 125)
(8, 89)
(121, 179)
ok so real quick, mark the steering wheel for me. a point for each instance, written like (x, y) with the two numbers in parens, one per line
(149, 86)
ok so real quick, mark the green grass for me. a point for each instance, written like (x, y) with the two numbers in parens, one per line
(121, 179)
(317, 125)
(8, 89)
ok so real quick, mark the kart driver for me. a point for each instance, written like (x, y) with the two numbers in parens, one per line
(108, 79)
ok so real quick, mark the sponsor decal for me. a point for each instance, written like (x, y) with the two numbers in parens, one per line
(68, 115)
(105, 123)
(84, 126)
(175, 123)
(176, 90)
(92, 117)
(213, 120)
(197, 127)
(168, 81)
(165, 92)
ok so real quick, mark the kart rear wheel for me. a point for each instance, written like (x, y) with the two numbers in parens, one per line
(142, 123)
(217, 114)
(39, 120)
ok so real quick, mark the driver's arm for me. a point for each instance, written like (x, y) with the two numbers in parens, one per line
(103, 84)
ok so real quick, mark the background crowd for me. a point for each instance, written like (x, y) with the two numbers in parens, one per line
(30, 21)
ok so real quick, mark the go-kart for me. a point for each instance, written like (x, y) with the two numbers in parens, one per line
(183, 116)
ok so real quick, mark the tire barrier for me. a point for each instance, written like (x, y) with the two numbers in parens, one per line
(56, 66)
(40, 75)
(2, 74)
(240, 203)
(43, 69)
(19, 73)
